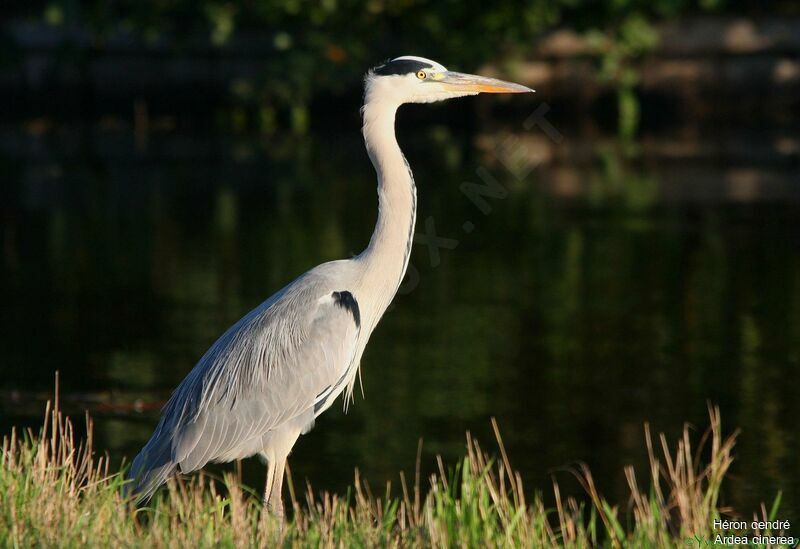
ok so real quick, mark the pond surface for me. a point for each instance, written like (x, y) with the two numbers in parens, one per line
(605, 285)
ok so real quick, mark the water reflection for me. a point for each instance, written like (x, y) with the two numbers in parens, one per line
(612, 285)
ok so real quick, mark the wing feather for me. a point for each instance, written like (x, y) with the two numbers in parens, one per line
(268, 368)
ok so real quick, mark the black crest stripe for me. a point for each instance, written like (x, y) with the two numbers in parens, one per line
(401, 66)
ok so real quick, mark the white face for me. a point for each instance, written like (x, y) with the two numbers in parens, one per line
(410, 79)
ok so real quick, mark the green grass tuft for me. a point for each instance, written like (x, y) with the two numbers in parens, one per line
(57, 492)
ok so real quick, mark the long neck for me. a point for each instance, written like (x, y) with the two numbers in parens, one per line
(386, 258)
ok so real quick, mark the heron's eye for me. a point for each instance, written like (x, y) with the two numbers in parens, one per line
(421, 75)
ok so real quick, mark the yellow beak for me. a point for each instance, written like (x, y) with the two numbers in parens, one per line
(460, 82)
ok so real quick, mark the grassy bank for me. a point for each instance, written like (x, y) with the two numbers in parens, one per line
(56, 491)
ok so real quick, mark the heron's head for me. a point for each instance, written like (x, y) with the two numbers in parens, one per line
(410, 79)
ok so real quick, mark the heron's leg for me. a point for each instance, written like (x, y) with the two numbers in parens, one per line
(277, 448)
(273, 502)
(275, 499)
(270, 478)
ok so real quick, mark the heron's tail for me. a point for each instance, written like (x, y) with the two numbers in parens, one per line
(152, 467)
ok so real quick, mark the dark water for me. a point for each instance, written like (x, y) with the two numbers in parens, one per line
(604, 285)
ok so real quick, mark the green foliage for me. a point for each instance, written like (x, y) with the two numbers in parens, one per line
(621, 48)
(326, 45)
(56, 492)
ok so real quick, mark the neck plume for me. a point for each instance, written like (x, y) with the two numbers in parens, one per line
(386, 258)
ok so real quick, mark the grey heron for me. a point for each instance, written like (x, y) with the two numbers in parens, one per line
(265, 380)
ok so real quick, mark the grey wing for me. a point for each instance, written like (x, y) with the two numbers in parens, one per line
(290, 356)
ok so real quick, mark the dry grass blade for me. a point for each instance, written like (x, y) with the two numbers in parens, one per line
(56, 492)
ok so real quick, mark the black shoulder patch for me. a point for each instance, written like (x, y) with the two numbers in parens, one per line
(400, 66)
(346, 300)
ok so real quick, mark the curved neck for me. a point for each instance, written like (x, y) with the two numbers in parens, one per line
(386, 258)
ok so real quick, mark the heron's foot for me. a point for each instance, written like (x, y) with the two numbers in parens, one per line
(271, 521)
(275, 509)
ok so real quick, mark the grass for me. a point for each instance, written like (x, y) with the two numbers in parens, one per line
(57, 492)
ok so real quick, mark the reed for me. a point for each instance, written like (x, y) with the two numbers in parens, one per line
(57, 491)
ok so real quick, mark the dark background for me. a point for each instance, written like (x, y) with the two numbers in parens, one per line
(166, 166)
